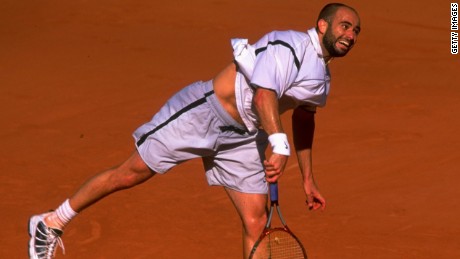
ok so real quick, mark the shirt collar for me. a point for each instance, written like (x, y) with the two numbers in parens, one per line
(315, 41)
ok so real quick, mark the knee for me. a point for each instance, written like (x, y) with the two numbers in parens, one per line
(253, 226)
(124, 178)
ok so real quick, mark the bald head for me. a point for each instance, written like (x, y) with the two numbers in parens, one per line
(329, 10)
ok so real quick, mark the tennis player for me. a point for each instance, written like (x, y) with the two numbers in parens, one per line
(229, 121)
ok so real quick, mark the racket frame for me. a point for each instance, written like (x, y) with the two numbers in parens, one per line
(268, 229)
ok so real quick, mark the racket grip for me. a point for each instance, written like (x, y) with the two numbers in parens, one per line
(273, 192)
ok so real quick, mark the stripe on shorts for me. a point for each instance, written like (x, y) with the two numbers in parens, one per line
(175, 116)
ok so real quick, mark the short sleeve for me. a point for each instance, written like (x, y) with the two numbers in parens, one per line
(275, 67)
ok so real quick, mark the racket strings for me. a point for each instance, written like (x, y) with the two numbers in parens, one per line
(279, 245)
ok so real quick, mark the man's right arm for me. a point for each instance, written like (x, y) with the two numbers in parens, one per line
(266, 104)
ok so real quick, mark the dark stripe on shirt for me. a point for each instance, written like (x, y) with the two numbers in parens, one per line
(175, 116)
(285, 44)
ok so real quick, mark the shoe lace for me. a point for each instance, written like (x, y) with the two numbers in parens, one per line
(53, 239)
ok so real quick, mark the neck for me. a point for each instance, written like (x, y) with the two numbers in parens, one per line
(328, 60)
(326, 57)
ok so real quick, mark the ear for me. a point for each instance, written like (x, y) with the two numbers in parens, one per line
(322, 26)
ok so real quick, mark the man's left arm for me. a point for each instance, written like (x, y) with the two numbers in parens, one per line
(303, 128)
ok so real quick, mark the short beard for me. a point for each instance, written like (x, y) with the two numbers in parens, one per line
(329, 41)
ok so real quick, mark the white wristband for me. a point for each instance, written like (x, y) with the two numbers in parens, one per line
(280, 144)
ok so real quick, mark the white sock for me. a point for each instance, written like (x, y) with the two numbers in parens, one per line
(63, 214)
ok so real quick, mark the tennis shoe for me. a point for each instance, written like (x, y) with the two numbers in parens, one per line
(43, 239)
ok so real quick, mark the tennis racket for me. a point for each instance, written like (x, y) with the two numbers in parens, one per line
(278, 242)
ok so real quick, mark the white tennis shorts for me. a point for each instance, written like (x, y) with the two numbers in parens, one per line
(193, 124)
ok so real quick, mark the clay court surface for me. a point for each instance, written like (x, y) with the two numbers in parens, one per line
(77, 77)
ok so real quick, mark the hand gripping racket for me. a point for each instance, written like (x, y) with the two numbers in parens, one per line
(279, 242)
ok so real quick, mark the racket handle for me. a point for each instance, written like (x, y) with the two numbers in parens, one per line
(273, 192)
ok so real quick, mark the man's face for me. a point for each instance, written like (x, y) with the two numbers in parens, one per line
(341, 33)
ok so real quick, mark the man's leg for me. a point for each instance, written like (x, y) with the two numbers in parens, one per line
(129, 174)
(45, 229)
(132, 172)
(252, 209)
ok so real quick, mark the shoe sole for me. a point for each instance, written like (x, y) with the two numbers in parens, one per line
(33, 222)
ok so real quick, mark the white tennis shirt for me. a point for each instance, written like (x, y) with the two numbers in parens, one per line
(288, 62)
